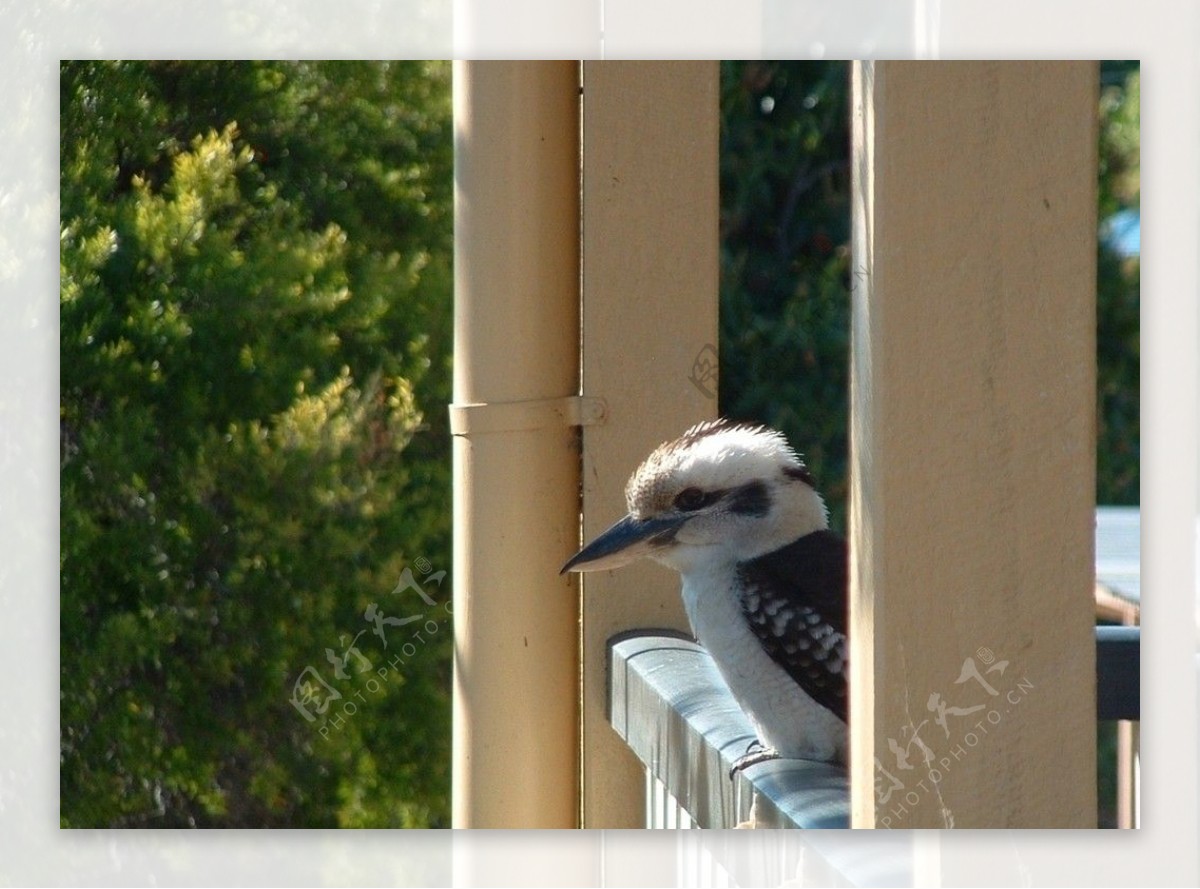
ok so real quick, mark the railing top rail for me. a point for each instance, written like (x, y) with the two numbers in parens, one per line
(669, 704)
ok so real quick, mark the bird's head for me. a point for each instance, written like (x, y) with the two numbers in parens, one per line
(720, 492)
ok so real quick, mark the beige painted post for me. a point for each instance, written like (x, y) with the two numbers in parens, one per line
(973, 444)
(516, 460)
(649, 350)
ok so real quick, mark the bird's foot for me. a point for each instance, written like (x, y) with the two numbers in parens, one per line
(754, 754)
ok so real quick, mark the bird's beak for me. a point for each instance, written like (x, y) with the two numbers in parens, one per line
(628, 539)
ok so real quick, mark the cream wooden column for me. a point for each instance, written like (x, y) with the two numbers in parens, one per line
(516, 460)
(973, 444)
(649, 339)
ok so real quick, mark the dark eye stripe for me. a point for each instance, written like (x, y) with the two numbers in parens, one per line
(691, 499)
(752, 499)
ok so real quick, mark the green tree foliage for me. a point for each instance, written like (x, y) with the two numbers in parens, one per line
(254, 366)
(1119, 284)
(785, 258)
(786, 271)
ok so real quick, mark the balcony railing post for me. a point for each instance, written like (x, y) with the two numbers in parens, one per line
(649, 350)
(973, 444)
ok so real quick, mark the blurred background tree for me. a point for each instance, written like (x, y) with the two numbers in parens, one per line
(255, 342)
(1119, 284)
(785, 258)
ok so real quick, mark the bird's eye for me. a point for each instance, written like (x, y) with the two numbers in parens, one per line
(690, 499)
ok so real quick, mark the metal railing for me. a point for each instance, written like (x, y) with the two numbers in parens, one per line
(668, 702)
(670, 705)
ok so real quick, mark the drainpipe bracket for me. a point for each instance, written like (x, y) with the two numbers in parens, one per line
(514, 416)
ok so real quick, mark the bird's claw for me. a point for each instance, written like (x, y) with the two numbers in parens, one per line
(754, 754)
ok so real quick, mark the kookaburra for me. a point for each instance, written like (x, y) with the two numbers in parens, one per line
(732, 508)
